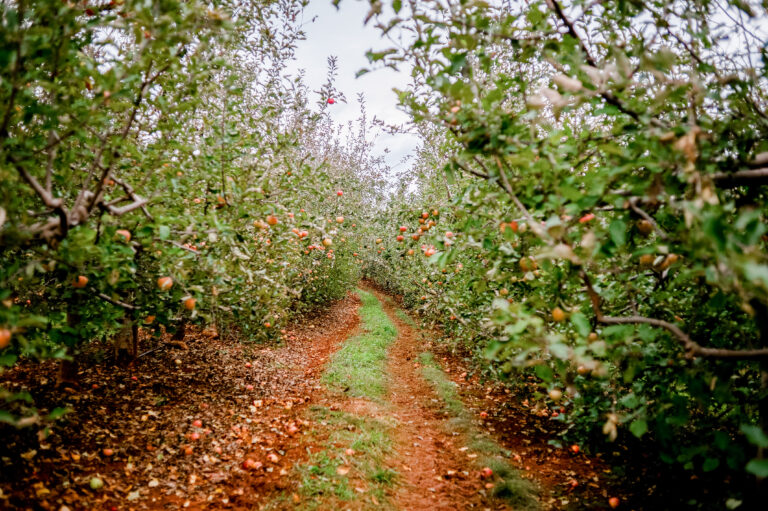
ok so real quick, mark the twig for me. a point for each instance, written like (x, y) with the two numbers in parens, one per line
(692, 348)
(741, 177)
(645, 216)
(124, 305)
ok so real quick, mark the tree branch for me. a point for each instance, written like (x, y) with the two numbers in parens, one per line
(692, 348)
(118, 303)
(640, 212)
(741, 177)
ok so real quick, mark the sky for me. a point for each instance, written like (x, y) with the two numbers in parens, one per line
(341, 33)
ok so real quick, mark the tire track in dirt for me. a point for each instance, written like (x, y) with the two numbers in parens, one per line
(435, 473)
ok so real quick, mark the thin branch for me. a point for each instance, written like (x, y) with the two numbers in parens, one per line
(645, 216)
(468, 170)
(535, 227)
(741, 177)
(118, 303)
(692, 348)
(140, 203)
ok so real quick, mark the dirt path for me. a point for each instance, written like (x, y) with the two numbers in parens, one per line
(436, 472)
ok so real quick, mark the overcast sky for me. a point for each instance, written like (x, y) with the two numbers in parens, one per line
(341, 33)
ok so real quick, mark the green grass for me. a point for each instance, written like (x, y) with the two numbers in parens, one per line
(321, 484)
(405, 318)
(520, 492)
(359, 367)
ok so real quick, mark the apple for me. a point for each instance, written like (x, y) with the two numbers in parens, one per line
(331, 101)
(327, 242)
(586, 218)
(108, 452)
(267, 324)
(646, 259)
(527, 264)
(592, 336)
(503, 291)
(425, 215)
(125, 234)
(5, 338)
(80, 282)
(435, 212)
(188, 450)
(197, 423)
(400, 238)
(194, 436)
(96, 483)
(378, 240)
(415, 237)
(644, 227)
(614, 502)
(149, 320)
(339, 193)
(575, 449)
(555, 395)
(248, 365)
(558, 314)
(403, 228)
(339, 219)
(189, 304)
(272, 220)
(410, 252)
(483, 415)
(249, 387)
(449, 234)
(486, 472)
(164, 283)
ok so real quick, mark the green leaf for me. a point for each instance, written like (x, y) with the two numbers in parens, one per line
(618, 232)
(397, 5)
(710, 464)
(581, 323)
(638, 427)
(163, 232)
(543, 372)
(755, 435)
(758, 467)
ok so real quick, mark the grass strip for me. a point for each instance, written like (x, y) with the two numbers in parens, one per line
(337, 474)
(359, 367)
(509, 485)
(351, 465)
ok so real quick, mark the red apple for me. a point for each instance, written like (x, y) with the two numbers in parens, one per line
(80, 282)
(164, 283)
(613, 502)
(5, 338)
